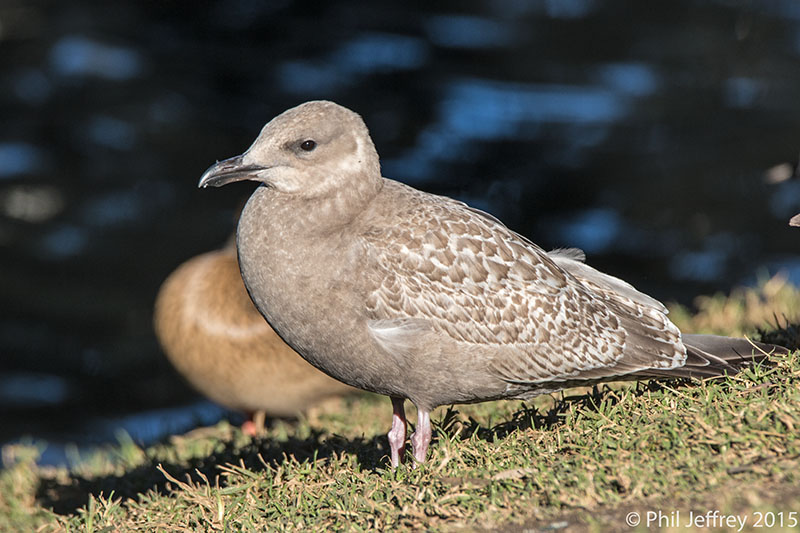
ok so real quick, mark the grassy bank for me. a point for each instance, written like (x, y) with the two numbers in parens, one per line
(582, 460)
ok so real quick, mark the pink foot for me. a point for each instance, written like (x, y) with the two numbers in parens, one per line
(254, 425)
(249, 428)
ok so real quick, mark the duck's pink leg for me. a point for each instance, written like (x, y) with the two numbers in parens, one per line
(254, 425)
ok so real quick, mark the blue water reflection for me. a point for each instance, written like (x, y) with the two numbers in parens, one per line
(707, 264)
(307, 78)
(114, 208)
(594, 231)
(380, 52)
(78, 56)
(142, 428)
(20, 158)
(148, 426)
(469, 31)
(479, 110)
(62, 242)
(34, 389)
(635, 79)
(483, 109)
(742, 92)
(785, 198)
(111, 132)
(366, 54)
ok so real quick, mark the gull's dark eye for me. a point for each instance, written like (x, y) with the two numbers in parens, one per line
(308, 145)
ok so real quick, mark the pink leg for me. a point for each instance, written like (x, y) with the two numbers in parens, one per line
(248, 428)
(421, 438)
(397, 435)
(254, 425)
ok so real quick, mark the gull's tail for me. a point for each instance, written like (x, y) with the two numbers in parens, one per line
(709, 356)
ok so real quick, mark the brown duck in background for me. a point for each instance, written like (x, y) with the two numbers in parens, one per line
(215, 337)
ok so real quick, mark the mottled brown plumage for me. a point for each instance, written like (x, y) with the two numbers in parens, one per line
(215, 337)
(421, 297)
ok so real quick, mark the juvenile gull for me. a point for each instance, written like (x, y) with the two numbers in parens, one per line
(215, 337)
(424, 298)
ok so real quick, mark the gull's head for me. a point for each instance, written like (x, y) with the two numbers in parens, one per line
(308, 150)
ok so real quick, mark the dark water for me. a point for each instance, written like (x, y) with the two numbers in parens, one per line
(661, 137)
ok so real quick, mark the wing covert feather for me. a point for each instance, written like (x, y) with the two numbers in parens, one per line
(479, 283)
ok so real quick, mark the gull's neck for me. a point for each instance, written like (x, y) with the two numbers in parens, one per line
(295, 215)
